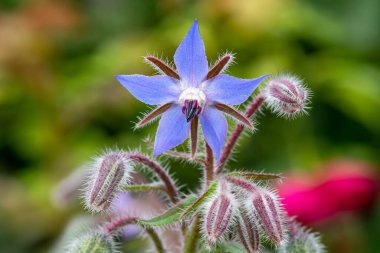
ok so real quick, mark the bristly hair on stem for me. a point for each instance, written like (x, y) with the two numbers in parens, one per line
(159, 171)
(234, 136)
(114, 225)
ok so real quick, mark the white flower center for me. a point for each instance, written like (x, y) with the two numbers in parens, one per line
(192, 101)
(192, 93)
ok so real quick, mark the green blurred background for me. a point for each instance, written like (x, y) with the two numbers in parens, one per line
(60, 103)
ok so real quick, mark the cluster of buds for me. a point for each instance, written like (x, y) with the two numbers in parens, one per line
(241, 207)
(286, 95)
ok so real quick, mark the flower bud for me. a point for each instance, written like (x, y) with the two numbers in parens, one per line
(301, 240)
(92, 242)
(266, 208)
(248, 231)
(106, 176)
(286, 95)
(219, 216)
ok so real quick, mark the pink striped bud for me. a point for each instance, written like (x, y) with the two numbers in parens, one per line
(266, 208)
(219, 216)
(107, 175)
(286, 95)
(248, 231)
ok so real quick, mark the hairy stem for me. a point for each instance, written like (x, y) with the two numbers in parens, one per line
(116, 224)
(178, 155)
(252, 108)
(155, 239)
(191, 240)
(159, 171)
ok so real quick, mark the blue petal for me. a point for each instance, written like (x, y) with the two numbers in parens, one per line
(231, 90)
(152, 90)
(214, 126)
(190, 58)
(172, 130)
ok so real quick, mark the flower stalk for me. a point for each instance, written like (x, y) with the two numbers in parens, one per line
(120, 222)
(231, 142)
(159, 171)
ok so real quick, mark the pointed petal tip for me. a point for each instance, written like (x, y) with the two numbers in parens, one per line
(190, 57)
(119, 78)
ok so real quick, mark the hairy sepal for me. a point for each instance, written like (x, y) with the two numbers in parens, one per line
(255, 175)
(264, 206)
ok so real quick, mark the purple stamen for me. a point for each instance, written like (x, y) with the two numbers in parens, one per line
(191, 108)
(195, 104)
(184, 107)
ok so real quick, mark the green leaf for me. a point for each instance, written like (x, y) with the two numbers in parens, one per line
(201, 199)
(255, 175)
(170, 216)
(145, 187)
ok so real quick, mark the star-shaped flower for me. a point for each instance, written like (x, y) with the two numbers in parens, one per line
(193, 91)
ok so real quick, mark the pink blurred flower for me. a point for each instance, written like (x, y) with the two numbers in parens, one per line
(339, 187)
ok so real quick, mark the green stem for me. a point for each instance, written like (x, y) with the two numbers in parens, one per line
(117, 224)
(159, 171)
(155, 239)
(192, 237)
(234, 136)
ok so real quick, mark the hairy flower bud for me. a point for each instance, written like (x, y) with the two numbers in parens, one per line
(106, 176)
(248, 231)
(301, 240)
(286, 95)
(93, 242)
(219, 216)
(266, 208)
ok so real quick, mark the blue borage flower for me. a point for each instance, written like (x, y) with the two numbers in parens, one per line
(193, 91)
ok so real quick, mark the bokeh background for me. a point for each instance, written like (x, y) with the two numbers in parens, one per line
(60, 103)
